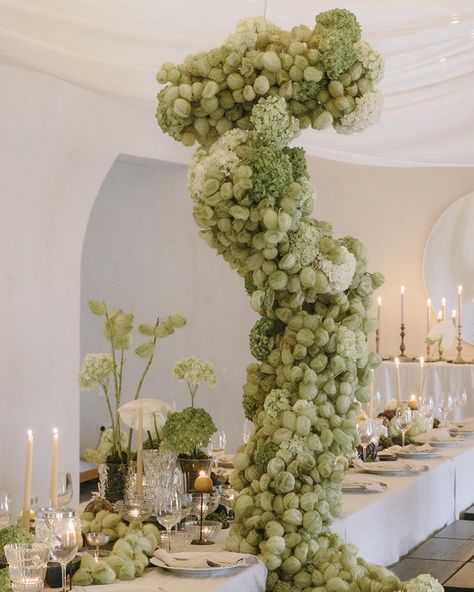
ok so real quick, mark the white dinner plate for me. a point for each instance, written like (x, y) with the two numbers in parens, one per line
(464, 432)
(221, 557)
(422, 454)
(394, 469)
(443, 443)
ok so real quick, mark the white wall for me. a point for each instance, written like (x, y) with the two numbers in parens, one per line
(58, 144)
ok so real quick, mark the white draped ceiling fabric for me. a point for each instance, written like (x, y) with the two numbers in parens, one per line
(114, 47)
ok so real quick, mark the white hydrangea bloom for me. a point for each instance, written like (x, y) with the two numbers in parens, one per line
(277, 401)
(366, 113)
(339, 276)
(195, 371)
(423, 583)
(95, 371)
(300, 405)
(221, 156)
(245, 34)
(371, 59)
(296, 445)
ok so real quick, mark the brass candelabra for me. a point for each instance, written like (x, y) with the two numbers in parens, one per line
(459, 359)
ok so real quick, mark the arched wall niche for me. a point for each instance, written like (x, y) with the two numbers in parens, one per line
(142, 252)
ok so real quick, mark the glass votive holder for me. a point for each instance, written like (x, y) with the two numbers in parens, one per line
(27, 565)
(134, 508)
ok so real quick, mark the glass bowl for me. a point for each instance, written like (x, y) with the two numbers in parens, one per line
(210, 528)
(179, 541)
(134, 509)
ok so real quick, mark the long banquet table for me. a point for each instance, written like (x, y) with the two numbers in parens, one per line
(384, 525)
(387, 525)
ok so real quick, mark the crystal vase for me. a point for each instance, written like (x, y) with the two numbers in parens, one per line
(112, 480)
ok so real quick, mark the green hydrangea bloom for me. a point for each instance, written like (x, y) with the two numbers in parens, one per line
(308, 90)
(250, 406)
(274, 125)
(298, 161)
(188, 430)
(304, 243)
(13, 534)
(277, 401)
(167, 120)
(95, 370)
(250, 286)
(337, 53)
(5, 584)
(342, 20)
(271, 172)
(261, 339)
(264, 453)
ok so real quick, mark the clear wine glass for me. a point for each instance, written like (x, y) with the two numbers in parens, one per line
(460, 402)
(404, 417)
(247, 430)
(216, 446)
(366, 434)
(64, 542)
(446, 407)
(168, 511)
(5, 509)
(427, 410)
(65, 490)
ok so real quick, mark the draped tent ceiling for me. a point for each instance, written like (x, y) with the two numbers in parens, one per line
(114, 47)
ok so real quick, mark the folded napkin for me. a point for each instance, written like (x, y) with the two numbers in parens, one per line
(373, 487)
(437, 435)
(393, 466)
(170, 561)
(410, 448)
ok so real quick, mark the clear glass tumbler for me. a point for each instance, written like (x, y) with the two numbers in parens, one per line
(27, 565)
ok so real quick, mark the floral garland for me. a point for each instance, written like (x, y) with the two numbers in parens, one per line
(243, 102)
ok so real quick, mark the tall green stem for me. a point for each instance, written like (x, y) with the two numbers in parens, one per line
(105, 388)
(117, 438)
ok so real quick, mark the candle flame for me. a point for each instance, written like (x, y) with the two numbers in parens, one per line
(440, 316)
(55, 431)
(402, 289)
(453, 314)
(428, 302)
(397, 362)
(202, 474)
(30, 433)
(443, 301)
(379, 300)
(413, 398)
(459, 289)
(422, 360)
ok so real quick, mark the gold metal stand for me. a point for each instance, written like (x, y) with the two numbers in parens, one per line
(377, 341)
(459, 359)
(402, 357)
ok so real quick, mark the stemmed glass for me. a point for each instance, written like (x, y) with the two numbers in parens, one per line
(97, 540)
(63, 542)
(64, 490)
(216, 446)
(427, 410)
(445, 407)
(404, 417)
(460, 402)
(247, 430)
(5, 509)
(366, 433)
(168, 511)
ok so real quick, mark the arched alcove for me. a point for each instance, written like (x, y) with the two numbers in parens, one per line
(142, 252)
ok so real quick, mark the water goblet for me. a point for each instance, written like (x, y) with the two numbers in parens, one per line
(404, 417)
(247, 430)
(168, 511)
(365, 430)
(97, 540)
(460, 402)
(63, 542)
(5, 509)
(445, 408)
(65, 490)
(427, 410)
(216, 446)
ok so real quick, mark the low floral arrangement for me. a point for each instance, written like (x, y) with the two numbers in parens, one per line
(188, 431)
(101, 369)
(243, 102)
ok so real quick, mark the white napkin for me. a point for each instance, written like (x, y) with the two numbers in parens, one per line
(437, 435)
(374, 487)
(196, 563)
(396, 465)
(410, 448)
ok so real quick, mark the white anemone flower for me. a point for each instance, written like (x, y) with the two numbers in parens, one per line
(155, 413)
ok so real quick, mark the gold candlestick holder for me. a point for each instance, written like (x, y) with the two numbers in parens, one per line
(428, 353)
(459, 359)
(402, 357)
(377, 341)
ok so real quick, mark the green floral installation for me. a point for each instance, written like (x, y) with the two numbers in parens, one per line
(243, 102)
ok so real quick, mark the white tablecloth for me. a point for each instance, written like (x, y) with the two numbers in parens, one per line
(245, 579)
(440, 378)
(387, 525)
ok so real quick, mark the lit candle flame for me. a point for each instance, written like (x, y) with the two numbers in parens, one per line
(459, 289)
(379, 300)
(428, 302)
(402, 289)
(397, 362)
(422, 360)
